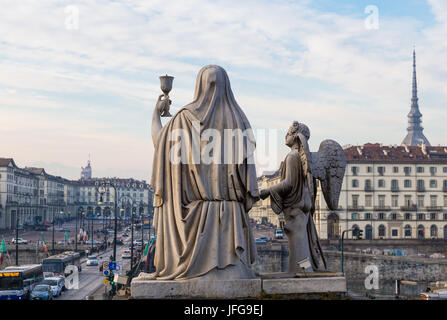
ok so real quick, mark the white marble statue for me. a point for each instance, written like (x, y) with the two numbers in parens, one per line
(201, 206)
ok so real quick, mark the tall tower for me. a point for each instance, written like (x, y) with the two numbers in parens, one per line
(86, 173)
(415, 136)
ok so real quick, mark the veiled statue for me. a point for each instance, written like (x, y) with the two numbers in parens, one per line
(295, 194)
(201, 207)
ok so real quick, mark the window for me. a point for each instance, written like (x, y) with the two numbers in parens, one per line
(381, 201)
(433, 231)
(369, 169)
(444, 169)
(407, 183)
(420, 169)
(381, 170)
(408, 200)
(433, 216)
(394, 216)
(355, 183)
(433, 201)
(421, 216)
(420, 184)
(381, 183)
(368, 184)
(432, 171)
(408, 216)
(382, 230)
(395, 201)
(394, 184)
(368, 216)
(445, 201)
(445, 216)
(394, 232)
(395, 169)
(381, 216)
(420, 201)
(355, 170)
(355, 201)
(407, 171)
(444, 185)
(433, 184)
(408, 230)
(368, 200)
(355, 216)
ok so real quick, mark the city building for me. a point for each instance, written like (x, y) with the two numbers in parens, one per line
(34, 196)
(389, 192)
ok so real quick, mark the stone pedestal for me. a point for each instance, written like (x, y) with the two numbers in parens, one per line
(194, 288)
(235, 289)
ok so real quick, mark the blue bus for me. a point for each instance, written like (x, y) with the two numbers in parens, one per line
(16, 282)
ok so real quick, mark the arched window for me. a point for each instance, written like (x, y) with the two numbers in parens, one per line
(433, 231)
(382, 230)
(368, 232)
(421, 232)
(407, 230)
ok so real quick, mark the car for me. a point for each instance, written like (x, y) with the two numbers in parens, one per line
(126, 254)
(92, 261)
(40, 228)
(119, 241)
(261, 240)
(94, 242)
(42, 292)
(56, 283)
(64, 230)
(279, 234)
(111, 231)
(125, 234)
(19, 241)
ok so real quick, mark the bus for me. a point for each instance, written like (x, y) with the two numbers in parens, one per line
(55, 265)
(16, 282)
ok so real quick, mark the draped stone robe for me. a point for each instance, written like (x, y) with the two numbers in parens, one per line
(201, 210)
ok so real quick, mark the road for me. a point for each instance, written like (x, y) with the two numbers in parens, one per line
(90, 278)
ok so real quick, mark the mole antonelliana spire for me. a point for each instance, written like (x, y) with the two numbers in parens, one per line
(415, 136)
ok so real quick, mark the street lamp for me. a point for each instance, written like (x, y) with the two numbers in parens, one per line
(80, 211)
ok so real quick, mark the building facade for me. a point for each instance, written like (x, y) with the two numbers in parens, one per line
(32, 196)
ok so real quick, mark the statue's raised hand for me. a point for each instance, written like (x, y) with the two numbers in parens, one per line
(162, 105)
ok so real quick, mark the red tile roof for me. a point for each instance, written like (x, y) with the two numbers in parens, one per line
(376, 152)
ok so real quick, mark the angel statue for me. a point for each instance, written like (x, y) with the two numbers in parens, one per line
(295, 194)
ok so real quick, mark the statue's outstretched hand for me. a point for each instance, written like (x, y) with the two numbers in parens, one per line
(264, 193)
(162, 104)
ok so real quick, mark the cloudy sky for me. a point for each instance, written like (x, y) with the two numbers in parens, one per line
(81, 77)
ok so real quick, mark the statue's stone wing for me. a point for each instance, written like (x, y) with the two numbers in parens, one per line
(328, 165)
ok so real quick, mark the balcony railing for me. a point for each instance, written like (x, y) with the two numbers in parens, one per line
(369, 189)
(356, 208)
(395, 189)
(382, 208)
(420, 189)
(409, 208)
(433, 208)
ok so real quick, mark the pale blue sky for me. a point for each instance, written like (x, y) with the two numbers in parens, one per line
(67, 93)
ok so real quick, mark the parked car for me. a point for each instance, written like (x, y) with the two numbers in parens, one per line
(19, 241)
(42, 292)
(40, 228)
(94, 242)
(261, 240)
(126, 254)
(56, 284)
(279, 234)
(64, 230)
(92, 261)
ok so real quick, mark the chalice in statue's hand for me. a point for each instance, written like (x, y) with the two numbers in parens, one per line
(166, 87)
